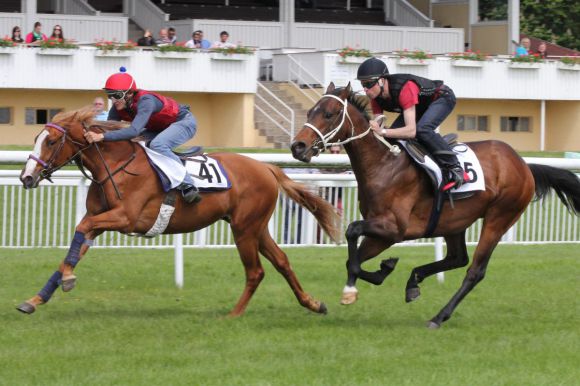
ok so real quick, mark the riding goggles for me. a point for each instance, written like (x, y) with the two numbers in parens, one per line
(369, 83)
(116, 94)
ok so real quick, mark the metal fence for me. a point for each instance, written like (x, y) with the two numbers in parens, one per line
(46, 217)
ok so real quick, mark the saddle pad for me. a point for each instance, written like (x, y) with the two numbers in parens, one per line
(468, 161)
(207, 173)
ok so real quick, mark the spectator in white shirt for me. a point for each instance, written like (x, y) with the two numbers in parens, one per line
(223, 42)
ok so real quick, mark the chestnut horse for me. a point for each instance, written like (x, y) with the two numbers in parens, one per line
(396, 197)
(126, 196)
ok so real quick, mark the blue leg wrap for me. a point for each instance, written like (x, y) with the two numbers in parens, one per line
(50, 286)
(72, 258)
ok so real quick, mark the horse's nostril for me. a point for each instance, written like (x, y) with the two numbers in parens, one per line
(298, 148)
(27, 181)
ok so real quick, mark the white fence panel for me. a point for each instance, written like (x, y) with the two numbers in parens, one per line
(10, 20)
(87, 29)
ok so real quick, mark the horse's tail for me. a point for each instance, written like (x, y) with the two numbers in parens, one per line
(325, 213)
(564, 182)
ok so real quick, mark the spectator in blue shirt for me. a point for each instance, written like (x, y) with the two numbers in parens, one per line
(197, 41)
(99, 107)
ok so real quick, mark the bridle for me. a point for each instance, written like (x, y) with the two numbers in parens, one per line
(322, 143)
(49, 169)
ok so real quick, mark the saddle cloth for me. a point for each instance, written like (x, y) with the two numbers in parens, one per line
(467, 159)
(208, 174)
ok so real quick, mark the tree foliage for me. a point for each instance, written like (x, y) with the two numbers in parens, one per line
(556, 21)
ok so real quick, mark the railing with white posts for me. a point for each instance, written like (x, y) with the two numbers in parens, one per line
(147, 15)
(299, 76)
(401, 12)
(77, 7)
(265, 105)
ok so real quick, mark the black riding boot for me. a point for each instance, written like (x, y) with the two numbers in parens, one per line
(453, 174)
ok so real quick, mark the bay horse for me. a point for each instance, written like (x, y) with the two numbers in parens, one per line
(125, 196)
(396, 197)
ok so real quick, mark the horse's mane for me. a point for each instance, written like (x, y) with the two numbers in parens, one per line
(360, 102)
(86, 115)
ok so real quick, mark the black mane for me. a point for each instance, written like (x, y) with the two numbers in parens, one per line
(361, 103)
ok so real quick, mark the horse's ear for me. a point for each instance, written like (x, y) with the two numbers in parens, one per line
(330, 88)
(348, 89)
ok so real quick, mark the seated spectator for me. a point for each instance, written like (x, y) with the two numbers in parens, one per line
(57, 33)
(223, 42)
(36, 35)
(99, 107)
(146, 40)
(17, 35)
(163, 39)
(197, 41)
(543, 50)
(171, 35)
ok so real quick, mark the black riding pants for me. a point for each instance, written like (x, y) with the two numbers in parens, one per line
(428, 121)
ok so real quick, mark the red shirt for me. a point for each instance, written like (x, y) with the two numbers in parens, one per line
(408, 98)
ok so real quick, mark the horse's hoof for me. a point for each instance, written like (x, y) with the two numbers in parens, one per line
(322, 309)
(26, 308)
(69, 283)
(389, 264)
(432, 325)
(348, 298)
(412, 294)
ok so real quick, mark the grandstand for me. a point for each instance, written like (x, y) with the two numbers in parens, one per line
(296, 56)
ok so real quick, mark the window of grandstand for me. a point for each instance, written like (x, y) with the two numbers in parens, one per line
(472, 123)
(36, 116)
(5, 115)
(516, 124)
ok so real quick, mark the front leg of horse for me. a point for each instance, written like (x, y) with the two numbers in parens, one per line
(370, 247)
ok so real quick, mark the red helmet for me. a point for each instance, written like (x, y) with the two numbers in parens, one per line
(121, 81)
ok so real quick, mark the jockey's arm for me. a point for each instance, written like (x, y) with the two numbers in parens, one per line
(148, 104)
(405, 132)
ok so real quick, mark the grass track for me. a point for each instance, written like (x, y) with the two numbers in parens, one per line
(126, 323)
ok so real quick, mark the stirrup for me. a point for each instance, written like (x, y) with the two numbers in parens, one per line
(189, 193)
(455, 182)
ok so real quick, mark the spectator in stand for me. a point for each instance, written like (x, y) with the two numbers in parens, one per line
(57, 33)
(524, 47)
(99, 107)
(146, 40)
(163, 39)
(543, 50)
(171, 35)
(197, 41)
(223, 42)
(36, 35)
(17, 35)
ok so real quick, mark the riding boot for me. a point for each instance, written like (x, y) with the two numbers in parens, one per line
(453, 174)
(190, 193)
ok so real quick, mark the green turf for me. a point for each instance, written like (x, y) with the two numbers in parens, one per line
(126, 323)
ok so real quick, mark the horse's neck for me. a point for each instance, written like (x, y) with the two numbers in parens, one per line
(373, 162)
(113, 154)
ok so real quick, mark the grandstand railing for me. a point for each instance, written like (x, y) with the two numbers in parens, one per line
(266, 105)
(76, 7)
(46, 216)
(401, 12)
(82, 28)
(147, 15)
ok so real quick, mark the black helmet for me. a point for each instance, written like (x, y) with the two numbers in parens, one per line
(372, 68)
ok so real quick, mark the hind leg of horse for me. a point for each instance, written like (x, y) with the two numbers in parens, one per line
(369, 248)
(495, 224)
(279, 259)
(248, 250)
(456, 257)
(62, 277)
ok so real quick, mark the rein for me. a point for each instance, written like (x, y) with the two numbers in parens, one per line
(324, 138)
(48, 169)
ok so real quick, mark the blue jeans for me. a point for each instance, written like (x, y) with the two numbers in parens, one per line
(176, 134)
(428, 121)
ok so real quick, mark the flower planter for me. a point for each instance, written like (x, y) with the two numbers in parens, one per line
(524, 65)
(568, 67)
(467, 63)
(113, 54)
(220, 56)
(7, 50)
(57, 51)
(172, 54)
(352, 59)
(414, 62)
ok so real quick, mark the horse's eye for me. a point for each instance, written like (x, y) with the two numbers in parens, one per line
(328, 115)
(50, 142)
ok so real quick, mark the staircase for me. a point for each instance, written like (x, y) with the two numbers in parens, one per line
(279, 137)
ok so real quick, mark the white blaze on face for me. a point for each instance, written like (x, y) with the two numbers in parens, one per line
(31, 164)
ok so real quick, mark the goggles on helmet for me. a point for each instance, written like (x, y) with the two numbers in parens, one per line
(116, 94)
